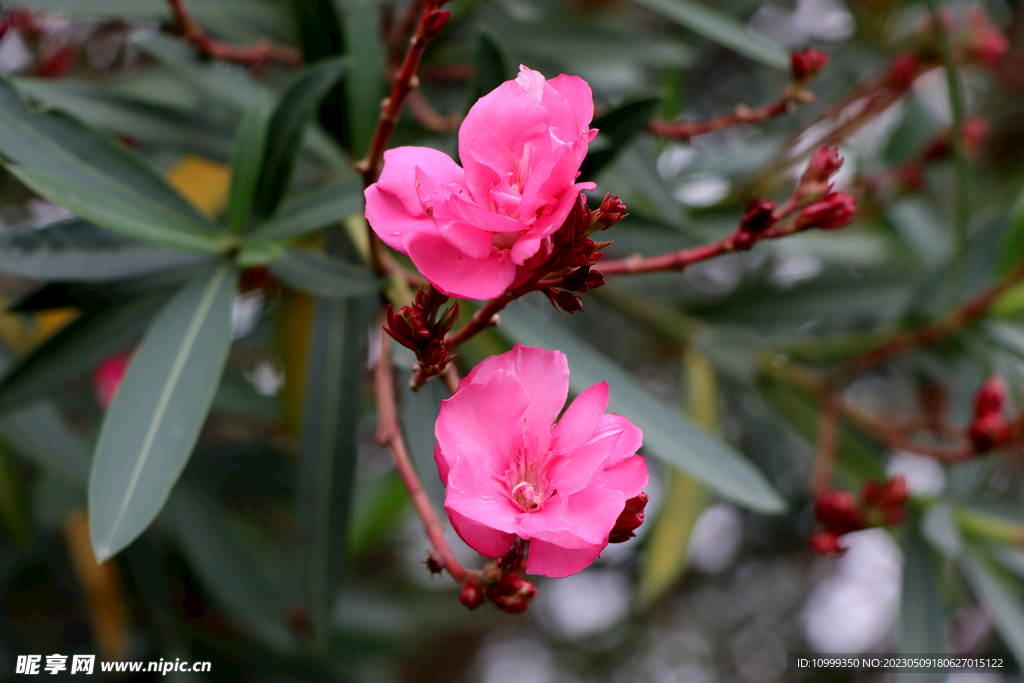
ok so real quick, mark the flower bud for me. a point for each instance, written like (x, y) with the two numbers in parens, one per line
(472, 595)
(611, 211)
(435, 563)
(806, 63)
(757, 217)
(512, 593)
(990, 397)
(107, 376)
(567, 301)
(838, 512)
(450, 317)
(988, 432)
(833, 211)
(986, 44)
(903, 70)
(630, 519)
(825, 543)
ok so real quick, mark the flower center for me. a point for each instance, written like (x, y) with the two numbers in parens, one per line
(527, 478)
(526, 496)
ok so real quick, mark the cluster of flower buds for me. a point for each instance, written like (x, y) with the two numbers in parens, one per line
(572, 250)
(500, 582)
(630, 520)
(423, 329)
(989, 429)
(973, 131)
(757, 218)
(820, 206)
(806, 64)
(839, 513)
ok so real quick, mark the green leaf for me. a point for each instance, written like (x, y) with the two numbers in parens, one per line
(314, 210)
(618, 127)
(150, 123)
(258, 253)
(227, 566)
(721, 28)
(154, 421)
(418, 412)
(329, 449)
(76, 350)
(55, 144)
(491, 66)
(318, 273)
(288, 123)
(320, 32)
(921, 612)
(1002, 603)
(77, 251)
(668, 435)
(39, 434)
(151, 224)
(247, 161)
(365, 85)
(1013, 238)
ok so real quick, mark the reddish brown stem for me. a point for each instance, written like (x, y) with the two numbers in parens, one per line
(672, 261)
(684, 130)
(825, 448)
(249, 55)
(935, 332)
(389, 435)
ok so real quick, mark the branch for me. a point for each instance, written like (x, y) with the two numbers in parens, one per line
(389, 435)
(825, 448)
(249, 55)
(684, 130)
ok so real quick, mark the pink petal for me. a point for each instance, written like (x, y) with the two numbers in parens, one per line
(390, 219)
(398, 176)
(575, 470)
(580, 418)
(442, 463)
(578, 94)
(584, 517)
(486, 541)
(544, 374)
(456, 274)
(628, 476)
(548, 559)
(531, 81)
(630, 440)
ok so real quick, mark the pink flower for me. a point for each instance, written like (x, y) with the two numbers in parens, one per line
(479, 229)
(509, 472)
(107, 376)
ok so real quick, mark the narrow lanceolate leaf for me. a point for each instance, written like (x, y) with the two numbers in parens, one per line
(921, 612)
(311, 211)
(618, 127)
(153, 224)
(77, 251)
(54, 143)
(247, 160)
(1001, 601)
(330, 422)
(491, 66)
(75, 350)
(721, 28)
(418, 411)
(154, 421)
(318, 273)
(227, 567)
(364, 84)
(1013, 238)
(288, 123)
(668, 435)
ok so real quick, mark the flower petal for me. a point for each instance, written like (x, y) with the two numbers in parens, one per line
(582, 518)
(544, 374)
(457, 274)
(580, 418)
(398, 176)
(548, 559)
(390, 219)
(483, 539)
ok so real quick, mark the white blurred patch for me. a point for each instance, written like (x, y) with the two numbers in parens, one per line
(716, 538)
(925, 476)
(246, 313)
(14, 54)
(584, 604)
(42, 213)
(974, 677)
(932, 92)
(702, 189)
(266, 378)
(794, 263)
(516, 660)
(674, 158)
(855, 608)
(869, 140)
(827, 20)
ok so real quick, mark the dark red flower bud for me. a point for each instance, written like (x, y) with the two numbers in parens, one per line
(806, 63)
(903, 70)
(974, 130)
(630, 519)
(986, 43)
(894, 516)
(988, 432)
(472, 595)
(823, 165)
(435, 563)
(833, 211)
(450, 317)
(757, 217)
(872, 492)
(838, 512)
(429, 299)
(56, 61)
(894, 494)
(825, 543)
(567, 301)
(434, 22)
(611, 211)
(990, 397)
(512, 593)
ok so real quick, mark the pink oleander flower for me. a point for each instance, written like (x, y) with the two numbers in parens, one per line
(475, 231)
(510, 472)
